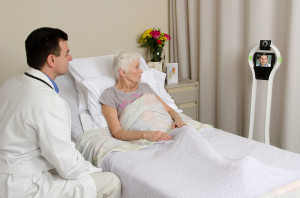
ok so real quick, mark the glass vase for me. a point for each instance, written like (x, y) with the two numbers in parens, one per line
(156, 55)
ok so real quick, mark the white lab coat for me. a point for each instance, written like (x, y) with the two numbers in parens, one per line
(37, 157)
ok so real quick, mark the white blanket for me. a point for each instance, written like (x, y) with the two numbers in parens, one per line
(187, 166)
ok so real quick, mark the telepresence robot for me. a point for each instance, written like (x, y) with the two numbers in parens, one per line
(264, 60)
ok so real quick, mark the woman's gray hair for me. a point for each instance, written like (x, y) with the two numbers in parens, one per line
(123, 60)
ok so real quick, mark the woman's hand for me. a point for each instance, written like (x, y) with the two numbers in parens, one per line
(178, 122)
(156, 136)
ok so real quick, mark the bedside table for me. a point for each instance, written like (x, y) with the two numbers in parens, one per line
(185, 94)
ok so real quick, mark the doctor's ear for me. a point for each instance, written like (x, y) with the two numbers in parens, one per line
(50, 60)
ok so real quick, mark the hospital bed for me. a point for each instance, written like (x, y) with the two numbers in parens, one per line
(199, 161)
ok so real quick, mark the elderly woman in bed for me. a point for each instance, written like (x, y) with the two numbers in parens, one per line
(127, 89)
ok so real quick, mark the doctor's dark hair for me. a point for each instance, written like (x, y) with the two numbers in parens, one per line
(42, 42)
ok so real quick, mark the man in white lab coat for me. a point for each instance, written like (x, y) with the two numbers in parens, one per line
(37, 156)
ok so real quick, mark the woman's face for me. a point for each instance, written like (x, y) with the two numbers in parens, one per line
(134, 73)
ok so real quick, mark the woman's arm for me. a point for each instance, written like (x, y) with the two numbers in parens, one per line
(111, 116)
(178, 122)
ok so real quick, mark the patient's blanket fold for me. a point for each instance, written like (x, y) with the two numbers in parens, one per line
(148, 114)
(145, 113)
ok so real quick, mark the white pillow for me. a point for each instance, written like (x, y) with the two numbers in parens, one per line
(156, 80)
(85, 68)
(96, 86)
(160, 78)
(87, 122)
(94, 89)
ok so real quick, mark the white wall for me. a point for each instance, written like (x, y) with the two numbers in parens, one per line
(95, 27)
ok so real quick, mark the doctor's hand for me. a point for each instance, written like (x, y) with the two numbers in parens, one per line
(178, 122)
(156, 136)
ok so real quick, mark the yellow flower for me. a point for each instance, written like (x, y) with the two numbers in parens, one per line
(141, 40)
(147, 33)
(163, 38)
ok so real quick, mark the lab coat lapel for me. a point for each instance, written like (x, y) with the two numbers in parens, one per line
(40, 75)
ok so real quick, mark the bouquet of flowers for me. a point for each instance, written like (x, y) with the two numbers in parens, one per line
(155, 40)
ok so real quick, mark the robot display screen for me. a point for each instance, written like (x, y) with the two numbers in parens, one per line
(264, 59)
(263, 64)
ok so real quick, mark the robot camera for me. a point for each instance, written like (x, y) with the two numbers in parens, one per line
(265, 45)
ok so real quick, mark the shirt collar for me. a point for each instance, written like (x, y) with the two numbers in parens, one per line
(54, 84)
(265, 65)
